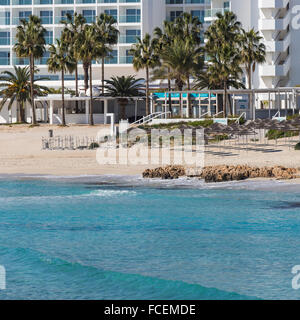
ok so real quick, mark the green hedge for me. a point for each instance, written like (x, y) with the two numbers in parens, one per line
(278, 134)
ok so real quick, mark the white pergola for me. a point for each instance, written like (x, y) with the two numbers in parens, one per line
(57, 97)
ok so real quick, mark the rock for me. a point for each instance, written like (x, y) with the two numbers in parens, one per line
(230, 173)
(168, 172)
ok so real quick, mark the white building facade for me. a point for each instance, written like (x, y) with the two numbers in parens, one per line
(278, 22)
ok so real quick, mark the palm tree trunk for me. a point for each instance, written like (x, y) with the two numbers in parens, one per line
(31, 89)
(230, 104)
(225, 100)
(180, 87)
(63, 97)
(22, 111)
(189, 99)
(103, 75)
(76, 88)
(147, 92)
(170, 97)
(91, 97)
(18, 111)
(123, 103)
(249, 76)
(86, 76)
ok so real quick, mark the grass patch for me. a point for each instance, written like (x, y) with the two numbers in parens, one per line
(278, 134)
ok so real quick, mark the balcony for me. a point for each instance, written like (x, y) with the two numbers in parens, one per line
(275, 24)
(129, 19)
(124, 39)
(113, 60)
(211, 14)
(20, 61)
(278, 45)
(272, 4)
(43, 2)
(276, 70)
(4, 61)
(4, 41)
(21, 2)
(126, 60)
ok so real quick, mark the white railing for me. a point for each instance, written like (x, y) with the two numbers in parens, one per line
(240, 117)
(204, 114)
(149, 118)
(276, 115)
(218, 114)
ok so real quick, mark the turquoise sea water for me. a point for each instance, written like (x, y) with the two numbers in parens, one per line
(115, 239)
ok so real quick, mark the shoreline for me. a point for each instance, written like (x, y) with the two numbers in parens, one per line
(137, 181)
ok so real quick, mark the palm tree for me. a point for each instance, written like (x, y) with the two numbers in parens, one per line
(253, 51)
(145, 57)
(30, 44)
(179, 61)
(88, 48)
(222, 48)
(188, 27)
(107, 34)
(16, 88)
(164, 38)
(74, 25)
(60, 60)
(123, 88)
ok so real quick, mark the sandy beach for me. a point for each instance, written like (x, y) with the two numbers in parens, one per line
(21, 153)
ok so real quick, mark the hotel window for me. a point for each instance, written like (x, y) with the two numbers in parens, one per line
(175, 14)
(46, 17)
(24, 15)
(131, 35)
(5, 18)
(64, 13)
(49, 37)
(133, 15)
(199, 14)
(4, 58)
(112, 12)
(89, 15)
(4, 38)
(113, 59)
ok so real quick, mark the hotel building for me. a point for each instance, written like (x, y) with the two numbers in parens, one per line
(276, 20)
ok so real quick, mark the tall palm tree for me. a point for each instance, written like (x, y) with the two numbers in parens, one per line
(222, 48)
(17, 88)
(188, 27)
(179, 61)
(60, 60)
(30, 44)
(107, 34)
(74, 25)
(145, 57)
(164, 38)
(88, 48)
(253, 52)
(123, 88)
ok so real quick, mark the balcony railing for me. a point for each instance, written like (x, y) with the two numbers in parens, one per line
(4, 41)
(126, 60)
(129, 18)
(127, 39)
(4, 61)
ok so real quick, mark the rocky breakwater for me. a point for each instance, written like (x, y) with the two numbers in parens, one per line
(223, 173)
(168, 172)
(233, 173)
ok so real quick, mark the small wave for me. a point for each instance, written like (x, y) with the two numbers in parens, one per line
(62, 279)
(103, 193)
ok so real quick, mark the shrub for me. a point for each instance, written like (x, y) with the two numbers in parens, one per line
(297, 146)
(94, 145)
(273, 134)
